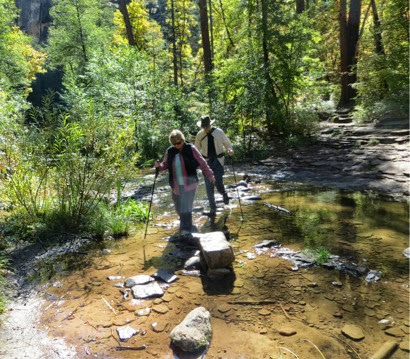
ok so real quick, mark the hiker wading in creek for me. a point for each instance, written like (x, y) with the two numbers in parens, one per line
(212, 142)
(182, 160)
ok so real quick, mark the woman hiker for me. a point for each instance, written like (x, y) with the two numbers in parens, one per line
(182, 160)
(212, 143)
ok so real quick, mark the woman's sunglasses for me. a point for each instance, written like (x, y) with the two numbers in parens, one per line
(177, 143)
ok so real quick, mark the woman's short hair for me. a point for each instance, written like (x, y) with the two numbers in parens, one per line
(176, 136)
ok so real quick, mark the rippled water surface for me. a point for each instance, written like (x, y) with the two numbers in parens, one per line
(265, 294)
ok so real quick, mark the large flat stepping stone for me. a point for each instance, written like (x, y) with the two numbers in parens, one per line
(217, 251)
(147, 290)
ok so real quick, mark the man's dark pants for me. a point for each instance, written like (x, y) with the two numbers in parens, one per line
(219, 171)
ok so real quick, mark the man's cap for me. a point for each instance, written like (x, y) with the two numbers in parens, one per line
(205, 121)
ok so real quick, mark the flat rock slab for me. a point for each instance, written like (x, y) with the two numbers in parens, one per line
(405, 346)
(217, 251)
(137, 280)
(160, 308)
(147, 290)
(166, 275)
(395, 332)
(353, 332)
(126, 332)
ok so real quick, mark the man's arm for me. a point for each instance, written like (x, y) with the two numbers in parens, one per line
(227, 144)
(206, 170)
(198, 141)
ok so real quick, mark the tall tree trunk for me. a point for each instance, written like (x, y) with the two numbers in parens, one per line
(174, 45)
(203, 15)
(80, 27)
(271, 99)
(349, 35)
(377, 30)
(300, 6)
(127, 21)
(211, 25)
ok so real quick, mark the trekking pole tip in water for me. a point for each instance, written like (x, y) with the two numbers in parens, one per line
(149, 214)
(237, 191)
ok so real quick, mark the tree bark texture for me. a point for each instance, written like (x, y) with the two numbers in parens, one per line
(349, 35)
(300, 6)
(271, 99)
(127, 21)
(206, 46)
(377, 30)
(211, 25)
(81, 33)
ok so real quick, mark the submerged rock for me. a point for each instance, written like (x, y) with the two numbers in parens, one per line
(268, 244)
(353, 332)
(143, 312)
(287, 331)
(194, 332)
(373, 276)
(137, 280)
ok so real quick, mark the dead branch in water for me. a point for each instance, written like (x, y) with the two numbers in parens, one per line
(287, 315)
(109, 305)
(142, 347)
(284, 312)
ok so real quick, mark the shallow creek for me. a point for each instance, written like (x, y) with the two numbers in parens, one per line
(265, 294)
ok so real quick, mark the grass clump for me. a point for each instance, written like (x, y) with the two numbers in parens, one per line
(320, 254)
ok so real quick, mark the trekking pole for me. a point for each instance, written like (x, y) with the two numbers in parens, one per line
(149, 214)
(237, 191)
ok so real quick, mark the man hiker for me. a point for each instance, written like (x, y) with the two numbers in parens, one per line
(182, 160)
(212, 143)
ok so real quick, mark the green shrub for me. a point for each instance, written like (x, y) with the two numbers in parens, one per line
(3, 282)
(133, 210)
(64, 165)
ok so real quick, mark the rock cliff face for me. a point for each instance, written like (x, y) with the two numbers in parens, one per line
(35, 17)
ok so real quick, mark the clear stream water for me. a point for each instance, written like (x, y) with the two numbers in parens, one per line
(263, 295)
